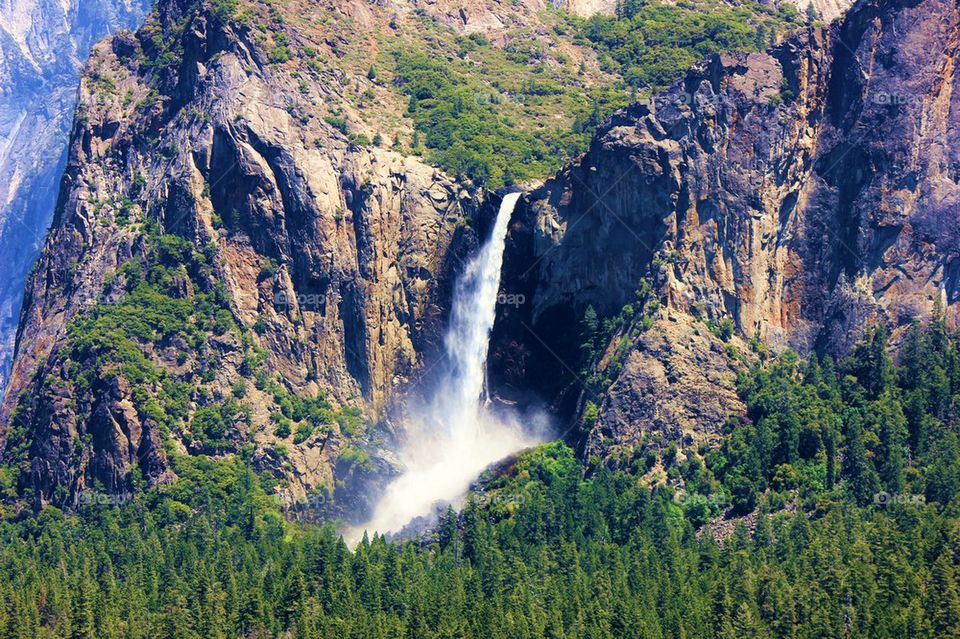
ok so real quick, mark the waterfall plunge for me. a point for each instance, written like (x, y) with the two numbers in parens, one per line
(453, 437)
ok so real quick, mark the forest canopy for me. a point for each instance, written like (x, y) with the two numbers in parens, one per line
(843, 501)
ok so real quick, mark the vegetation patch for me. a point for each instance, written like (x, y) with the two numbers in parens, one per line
(650, 44)
(495, 116)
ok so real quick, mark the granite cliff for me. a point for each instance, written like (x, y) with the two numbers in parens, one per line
(793, 198)
(247, 255)
(328, 262)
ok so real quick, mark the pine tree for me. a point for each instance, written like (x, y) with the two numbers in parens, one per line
(745, 625)
(777, 607)
(943, 467)
(831, 437)
(721, 616)
(871, 364)
(864, 481)
(447, 530)
(177, 621)
(294, 593)
(760, 38)
(588, 335)
(893, 442)
(762, 534)
(944, 606)
(83, 622)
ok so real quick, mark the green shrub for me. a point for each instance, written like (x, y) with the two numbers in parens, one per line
(268, 270)
(239, 389)
(213, 426)
(283, 428)
(280, 53)
(225, 9)
(336, 122)
(590, 414)
(303, 433)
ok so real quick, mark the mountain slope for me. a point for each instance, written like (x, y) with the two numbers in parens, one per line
(219, 245)
(246, 256)
(265, 252)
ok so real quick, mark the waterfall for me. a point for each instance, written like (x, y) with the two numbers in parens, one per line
(452, 437)
(471, 320)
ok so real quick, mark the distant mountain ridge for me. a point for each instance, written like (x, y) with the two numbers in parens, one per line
(43, 46)
(825, 9)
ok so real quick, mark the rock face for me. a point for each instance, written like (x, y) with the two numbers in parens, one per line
(336, 259)
(676, 383)
(799, 195)
(823, 10)
(826, 10)
(42, 49)
(587, 8)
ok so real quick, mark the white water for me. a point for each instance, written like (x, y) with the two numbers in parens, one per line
(453, 437)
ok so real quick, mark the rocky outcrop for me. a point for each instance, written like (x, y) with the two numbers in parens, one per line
(821, 10)
(335, 257)
(42, 48)
(825, 10)
(322, 253)
(676, 383)
(800, 195)
(587, 8)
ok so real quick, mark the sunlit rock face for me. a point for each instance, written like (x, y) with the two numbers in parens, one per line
(337, 259)
(802, 195)
(43, 45)
(823, 10)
